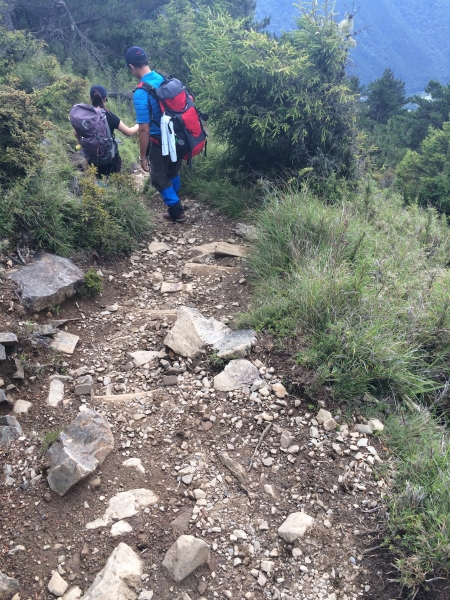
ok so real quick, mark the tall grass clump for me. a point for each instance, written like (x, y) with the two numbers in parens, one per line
(213, 181)
(418, 529)
(362, 289)
(110, 218)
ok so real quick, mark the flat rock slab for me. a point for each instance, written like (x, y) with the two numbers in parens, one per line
(158, 247)
(184, 556)
(8, 339)
(120, 579)
(236, 345)
(47, 281)
(79, 449)
(171, 288)
(64, 342)
(295, 526)
(221, 249)
(124, 505)
(55, 393)
(9, 429)
(199, 270)
(236, 375)
(192, 332)
(142, 357)
(120, 398)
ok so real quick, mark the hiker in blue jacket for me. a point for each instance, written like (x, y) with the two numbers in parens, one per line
(165, 174)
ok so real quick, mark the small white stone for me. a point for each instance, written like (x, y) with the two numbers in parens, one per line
(57, 586)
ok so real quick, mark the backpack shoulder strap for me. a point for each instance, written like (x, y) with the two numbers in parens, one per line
(143, 85)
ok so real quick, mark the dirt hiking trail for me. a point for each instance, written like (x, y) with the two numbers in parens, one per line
(269, 493)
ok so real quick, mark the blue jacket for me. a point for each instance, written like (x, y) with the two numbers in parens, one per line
(142, 99)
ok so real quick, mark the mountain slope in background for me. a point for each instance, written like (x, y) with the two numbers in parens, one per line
(412, 37)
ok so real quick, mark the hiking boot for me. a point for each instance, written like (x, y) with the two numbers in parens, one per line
(180, 219)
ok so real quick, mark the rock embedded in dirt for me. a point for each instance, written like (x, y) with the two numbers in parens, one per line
(9, 429)
(2, 352)
(20, 372)
(295, 526)
(185, 556)
(329, 424)
(56, 392)
(79, 449)
(4, 397)
(362, 428)
(120, 528)
(279, 390)
(248, 232)
(74, 593)
(236, 375)
(21, 407)
(84, 385)
(143, 357)
(8, 586)
(125, 505)
(47, 281)
(236, 345)
(7, 338)
(323, 415)
(376, 424)
(158, 247)
(120, 579)
(57, 586)
(192, 332)
(64, 342)
(134, 462)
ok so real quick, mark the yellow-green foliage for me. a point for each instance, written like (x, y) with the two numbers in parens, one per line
(21, 133)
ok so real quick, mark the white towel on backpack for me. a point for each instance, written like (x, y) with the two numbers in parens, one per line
(168, 138)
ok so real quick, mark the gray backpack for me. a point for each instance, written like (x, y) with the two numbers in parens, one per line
(98, 145)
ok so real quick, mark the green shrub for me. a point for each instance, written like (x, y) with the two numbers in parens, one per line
(112, 216)
(278, 102)
(93, 284)
(424, 176)
(361, 287)
(21, 133)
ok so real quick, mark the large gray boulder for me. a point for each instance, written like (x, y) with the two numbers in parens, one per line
(120, 579)
(79, 449)
(47, 281)
(236, 375)
(8, 587)
(236, 345)
(192, 332)
(9, 429)
(184, 556)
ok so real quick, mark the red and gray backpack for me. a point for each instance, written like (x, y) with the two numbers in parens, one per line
(98, 145)
(177, 103)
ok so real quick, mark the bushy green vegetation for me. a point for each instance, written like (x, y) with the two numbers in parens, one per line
(362, 287)
(424, 176)
(278, 103)
(419, 503)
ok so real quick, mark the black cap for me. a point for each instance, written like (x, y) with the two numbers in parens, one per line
(134, 55)
(100, 89)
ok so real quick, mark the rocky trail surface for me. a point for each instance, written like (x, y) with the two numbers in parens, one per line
(176, 473)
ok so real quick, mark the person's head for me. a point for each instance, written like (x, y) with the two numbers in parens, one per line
(137, 62)
(98, 96)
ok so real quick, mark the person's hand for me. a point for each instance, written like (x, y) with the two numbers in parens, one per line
(144, 165)
(134, 129)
